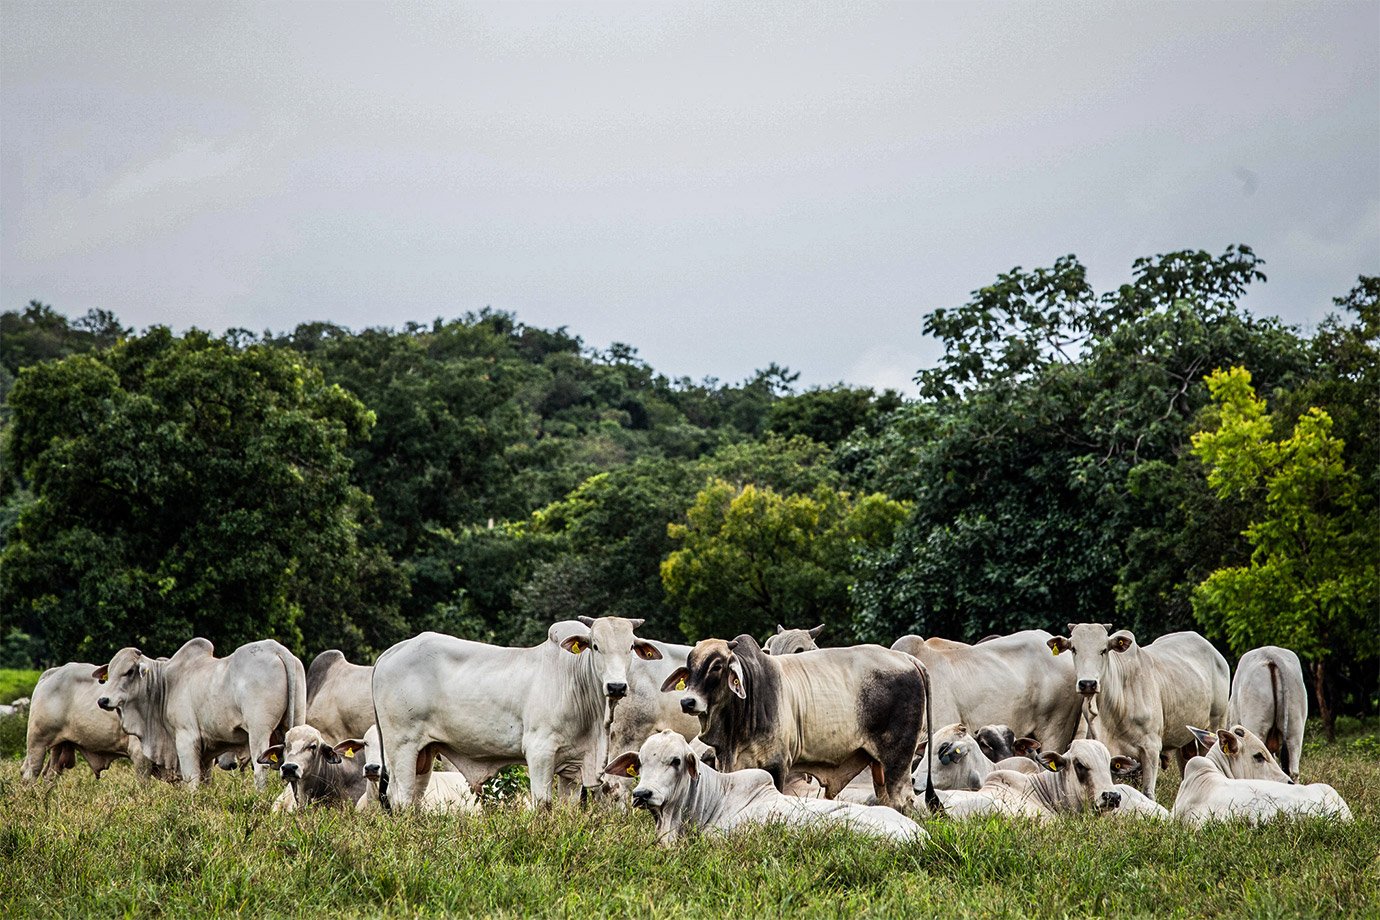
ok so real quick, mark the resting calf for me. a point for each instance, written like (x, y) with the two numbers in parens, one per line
(1076, 781)
(316, 772)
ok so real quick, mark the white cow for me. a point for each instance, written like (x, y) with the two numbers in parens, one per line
(679, 791)
(792, 641)
(447, 792)
(1003, 680)
(14, 707)
(339, 702)
(1239, 779)
(484, 707)
(65, 721)
(1145, 695)
(315, 771)
(1079, 780)
(961, 762)
(189, 709)
(1269, 698)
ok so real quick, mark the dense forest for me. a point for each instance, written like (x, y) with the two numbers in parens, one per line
(1151, 456)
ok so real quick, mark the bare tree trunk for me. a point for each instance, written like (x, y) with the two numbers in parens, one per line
(1329, 720)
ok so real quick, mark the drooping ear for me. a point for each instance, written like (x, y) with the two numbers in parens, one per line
(330, 753)
(814, 633)
(628, 764)
(1052, 762)
(273, 757)
(1120, 640)
(692, 763)
(350, 747)
(588, 621)
(676, 681)
(635, 621)
(101, 673)
(735, 679)
(1229, 742)
(646, 651)
(1059, 644)
(1205, 739)
(1124, 766)
(1024, 747)
(576, 644)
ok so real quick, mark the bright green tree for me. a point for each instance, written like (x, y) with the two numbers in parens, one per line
(751, 557)
(1312, 582)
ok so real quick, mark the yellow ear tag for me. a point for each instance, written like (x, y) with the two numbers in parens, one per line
(632, 771)
(1052, 767)
(349, 752)
(1054, 650)
(272, 758)
(575, 647)
(103, 679)
(680, 684)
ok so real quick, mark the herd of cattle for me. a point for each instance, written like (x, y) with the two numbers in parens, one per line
(715, 736)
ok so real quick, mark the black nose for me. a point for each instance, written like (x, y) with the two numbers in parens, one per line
(372, 770)
(1087, 686)
(291, 771)
(104, 703)
(1112, 799)
(641, 797)
(617, 689)
(688, 705)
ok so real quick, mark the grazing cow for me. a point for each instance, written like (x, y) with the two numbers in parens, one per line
(189, 709)
(792, 641)
(962, 762)
(484, 707)
(315, 771)
(1269, 698)
(64, 721)
(339, 701)
(447, 792)
(1006, 680)
(830, 713)
(14, 707)
(679, 791)
(1146, 695)
(1078, 780)
(1239, 779)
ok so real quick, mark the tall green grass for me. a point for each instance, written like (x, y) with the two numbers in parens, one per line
(120, 846)
(14, 684)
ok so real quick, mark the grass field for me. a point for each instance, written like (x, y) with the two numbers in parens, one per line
(79, 847)
(14, 684)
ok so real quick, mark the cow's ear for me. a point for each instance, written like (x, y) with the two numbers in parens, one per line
(646, 651)
(628, 764)
(1120, 641)
(101, 673)
(676, 681)
(735, 679)
(350, 747)
(1229, 742)
(814, 633)
(1052, 762)
(330, 753)
(1124, 766)
(1205, 739)
(576, 644)
(273, 757)
(919, 754)
(1024, 747)
(1059, 644)
(692, 764)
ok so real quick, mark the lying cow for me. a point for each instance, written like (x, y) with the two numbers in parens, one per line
(315, 771)
(447, 792)
(1003, 680)
(484, 707)
(962, 764)
(14, 707)
(830, 713)
(189, 709)
(1146, 695)
(1238, 778)
(1269, 698)
(339, 700)
(1136, 804)
(679, 792)
(999, 742)
(65, 721)
(1080, 780)
(792, 641)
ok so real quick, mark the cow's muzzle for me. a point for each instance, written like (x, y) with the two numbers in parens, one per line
(291, 771)
(1087, 687)
(690, 706)
(616, 691)
(373, 770)
(642, 798)
(1111, 799)
(104, 703)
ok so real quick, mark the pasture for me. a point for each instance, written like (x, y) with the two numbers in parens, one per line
(79, 847)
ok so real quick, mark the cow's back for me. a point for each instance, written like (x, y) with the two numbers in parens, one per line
(340, 700)
(1194, 683)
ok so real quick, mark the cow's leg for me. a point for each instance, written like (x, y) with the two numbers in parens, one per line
(400, 759)
(189, 759)
(1149, 756)
(34, 759)
(541, 770)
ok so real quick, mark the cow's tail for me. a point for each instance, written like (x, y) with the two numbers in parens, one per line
(932, 802)
(1275, 724)
(384, 802)
(296, 712)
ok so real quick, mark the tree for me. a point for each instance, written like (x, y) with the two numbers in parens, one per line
(750, 557)
(1312, 583)
(184, 487)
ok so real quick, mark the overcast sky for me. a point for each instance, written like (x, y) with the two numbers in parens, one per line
(718, 185)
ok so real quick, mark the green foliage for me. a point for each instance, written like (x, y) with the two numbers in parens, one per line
(751, 558)
(1313, 582)
(17, 682)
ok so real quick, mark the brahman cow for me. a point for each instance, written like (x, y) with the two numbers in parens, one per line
(1269, 698)
(1144, 696)
(1005, 680)
(65, 721)
(484, 707)
(189, 709)
(447, 792)
(962, 762)
(830, 713)
(315, 771)
(679, 792)
(1077, 781)
(1239, 779)
(792, 641)
(14, 707)
(339, 701)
